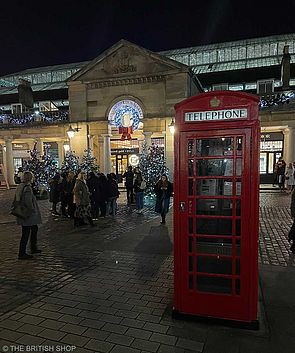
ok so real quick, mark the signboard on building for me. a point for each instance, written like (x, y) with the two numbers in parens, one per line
(225, 114)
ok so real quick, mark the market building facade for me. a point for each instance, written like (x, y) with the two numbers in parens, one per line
(126, 96)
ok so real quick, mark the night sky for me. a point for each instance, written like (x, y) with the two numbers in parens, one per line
(40, 33)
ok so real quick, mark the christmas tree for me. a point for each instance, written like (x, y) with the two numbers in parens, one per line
(152, 165)
(48, 167)
(89, 163)
(70, 163)
(33, 165)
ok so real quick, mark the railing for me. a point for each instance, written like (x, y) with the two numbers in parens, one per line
(33, 118)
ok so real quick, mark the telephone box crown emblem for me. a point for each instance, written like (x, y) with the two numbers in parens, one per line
(214, 102)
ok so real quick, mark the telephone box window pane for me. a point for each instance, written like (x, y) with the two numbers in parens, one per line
(239, 145)
(238, 227)
(237, 286)
(190, 226)
(214, 284)
(190, 187)
(191, 167)
(191, 282)
(238, 188)
(190, 263)
(238, 247)
(239, 167)
(238, 207)
(215, 167)
(237, 266)
(190, 244)
(214, 226)
(214, 207)
(217, 265)
(190, 147)
(214, 187)
(220, 246)
(214, 147)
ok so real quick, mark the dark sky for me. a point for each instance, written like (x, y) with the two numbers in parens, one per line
(40, 33)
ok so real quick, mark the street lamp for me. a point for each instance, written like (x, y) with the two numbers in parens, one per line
(66, 146)
(71, 132)
(172, 127)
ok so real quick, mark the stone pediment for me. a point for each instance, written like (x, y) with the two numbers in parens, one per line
(126, 59)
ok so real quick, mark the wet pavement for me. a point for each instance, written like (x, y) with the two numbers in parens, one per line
(109, 288)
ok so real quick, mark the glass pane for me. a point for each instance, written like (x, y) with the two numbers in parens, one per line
(214, 226)
(238, 247)
(190, 263)
(214, 187)
(214, 284)
(239, 167)
(190, 226)
(239, 146)
(237, 286)
(214, 207)
(190, 281)
(238, 188)
(221, 246)
(190, 147)
(191, 167)
(215, 147)
(190, 244)
(190, 187)
(238, 207)
(263, 157)
(216, 167)
(237, 266)
(238, 227)
(212, 264)
(270, 163)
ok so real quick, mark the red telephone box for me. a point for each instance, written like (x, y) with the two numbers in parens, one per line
(216, 203)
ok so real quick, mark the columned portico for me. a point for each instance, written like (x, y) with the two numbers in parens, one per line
(9, 160)
(289, 150)
(148, 138)
(107, 165)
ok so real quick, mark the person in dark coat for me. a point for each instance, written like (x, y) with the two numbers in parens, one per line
(163, 190)
(139, 186)
(103, 190)
(63, 197)
(113, 194)
(129, 176)
(93, 186)
(24, 194)
(291, 236)
(55, 189)
(281, 169)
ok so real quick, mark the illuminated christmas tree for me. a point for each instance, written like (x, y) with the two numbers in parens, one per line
(70, 163)
(89, 163)
(152, 165)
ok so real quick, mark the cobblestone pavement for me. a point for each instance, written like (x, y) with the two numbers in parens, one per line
(109, 288)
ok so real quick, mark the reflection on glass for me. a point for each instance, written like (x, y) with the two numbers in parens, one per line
(239, 167)
(238, 247)
(190, 244)
(214, 226)
(222, 207)
(190, 263)
(263, 161)
(190, 281)
(238, 227)
(239, 145)
(220, 246)
(190, 226)
(214, 147)
(237, 286)
(238, 207)
(190, 187)
(191, 167)
(270, 163)
(216, 265)
(238, 188)
(190, 147)
(237, 266)
(214, 187)
(214, 284)
(215, 167)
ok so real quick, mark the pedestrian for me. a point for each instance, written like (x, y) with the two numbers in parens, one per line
(103, 189)
(69, 187)
(139, 187)
(275, 174)
(54, 195)
(30, 217)
(63, 197)
(113, 194)
(82, 201)
(281, 173)
(289, 177)
(291, 236)
(163, 190)
(19, 176)
(93, 186)
(129, 176)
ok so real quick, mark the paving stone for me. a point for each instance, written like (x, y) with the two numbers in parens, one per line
(145, 345)
(165, 339)
(70, 311)
(122, 349)
(171, 349)
(132, 323)
(10, 335)
(75, 340)
(50, 315)
(111, 318)
(10, 324)
(29, 319)
(190, 344)
(120, 339)
(30, 329)
(150, 326)
(99, 346)
(114, 328)
(92, 323)
(75, 329)
(97, 334)
(149, 318)
(71, 319)
(129, 314)
(53, 324)
(138, 333)
(52, 334)
(30, 340)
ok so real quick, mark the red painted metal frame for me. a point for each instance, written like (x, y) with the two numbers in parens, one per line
(242, 307)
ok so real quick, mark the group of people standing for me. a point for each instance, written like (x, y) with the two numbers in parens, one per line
(284, 175)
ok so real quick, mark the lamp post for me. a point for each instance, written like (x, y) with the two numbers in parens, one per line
(172, 127)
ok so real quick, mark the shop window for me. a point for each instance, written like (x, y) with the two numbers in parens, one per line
(265, 87)
(220, 87)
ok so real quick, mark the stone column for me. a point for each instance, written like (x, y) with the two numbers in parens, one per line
(9, 161)
(169, 154)
(39, 147)
(148, 138)
(61, 152)
(289, 148)
(107, 153)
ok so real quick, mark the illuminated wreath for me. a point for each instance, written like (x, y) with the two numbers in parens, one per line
(125, 113)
